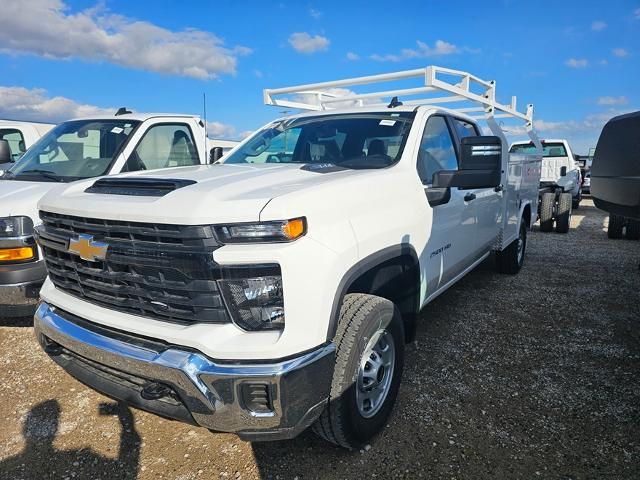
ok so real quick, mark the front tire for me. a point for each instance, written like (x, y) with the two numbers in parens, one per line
(366, 378)
(511, 259)
(633, 230)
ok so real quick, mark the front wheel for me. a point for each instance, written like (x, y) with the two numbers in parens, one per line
(616, 225)
(367, 373)
(563, 217)
(633, 230)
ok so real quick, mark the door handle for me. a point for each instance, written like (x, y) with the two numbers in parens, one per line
(469, 197)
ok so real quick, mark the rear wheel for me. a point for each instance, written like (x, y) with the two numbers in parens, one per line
(576, 201)
(511, 259)
(563, 217)
(367, 373)
(616, 224)
(547, 202)
(633, 230)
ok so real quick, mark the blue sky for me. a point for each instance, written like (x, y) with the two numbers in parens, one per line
(577, 61)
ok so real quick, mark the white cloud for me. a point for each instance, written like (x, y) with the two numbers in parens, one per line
(48, 28)
(576, 63)
(636, 14)
(598, 26)
(258, 73)
(35, 104)
(422, 51)
(621, 100)
(620, 52)
(304, 43)
(221, 130)
(353, 56)
(315, 13)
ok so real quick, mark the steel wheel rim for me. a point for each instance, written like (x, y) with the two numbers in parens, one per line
(520, 247)
(375, 373)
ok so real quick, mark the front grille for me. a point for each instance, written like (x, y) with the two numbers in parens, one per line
(164, 272)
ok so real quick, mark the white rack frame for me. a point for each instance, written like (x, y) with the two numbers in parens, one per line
(432, 82)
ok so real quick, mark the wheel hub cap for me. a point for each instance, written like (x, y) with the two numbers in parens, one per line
(375, 373)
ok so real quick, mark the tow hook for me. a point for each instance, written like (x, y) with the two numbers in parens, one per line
(155, 391)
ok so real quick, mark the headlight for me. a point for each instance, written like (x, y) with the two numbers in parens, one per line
(15, 226)
(278, 231)
(255, 303)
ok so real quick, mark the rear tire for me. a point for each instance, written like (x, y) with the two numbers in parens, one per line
(616, 224)
(576, 201)
(563, 217)
(547, 202)
(511, 259)
(366, 378)
(633, 230)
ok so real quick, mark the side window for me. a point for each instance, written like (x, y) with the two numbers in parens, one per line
(436, 150)
(464, 129)
(163, 146)
(15, 140)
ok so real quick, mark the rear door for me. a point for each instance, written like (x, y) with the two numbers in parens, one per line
(555, 156)
(487, 201)
(450, 246)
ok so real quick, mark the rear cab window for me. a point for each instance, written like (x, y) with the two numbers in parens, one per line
(548, 149)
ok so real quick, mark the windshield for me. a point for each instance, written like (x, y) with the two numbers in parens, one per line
(548, 149)
(351, 141)
(73, 150)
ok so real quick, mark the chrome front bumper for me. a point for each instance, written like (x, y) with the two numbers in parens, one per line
(186, 385)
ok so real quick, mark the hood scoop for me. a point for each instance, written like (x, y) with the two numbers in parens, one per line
(138, 187)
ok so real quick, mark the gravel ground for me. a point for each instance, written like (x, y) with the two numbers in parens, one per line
(531, 376)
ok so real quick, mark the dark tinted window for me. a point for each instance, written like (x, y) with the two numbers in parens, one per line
(464, 129)
(436, 150)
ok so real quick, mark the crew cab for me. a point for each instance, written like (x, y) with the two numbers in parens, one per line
(16, 137)
(283, 296)
(560, 183)
(74, 150)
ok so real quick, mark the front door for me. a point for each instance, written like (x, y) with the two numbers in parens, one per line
(449, 249)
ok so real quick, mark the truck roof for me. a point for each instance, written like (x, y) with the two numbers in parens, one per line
(138, 116)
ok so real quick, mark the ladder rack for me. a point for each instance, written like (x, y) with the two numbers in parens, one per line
(463, 88)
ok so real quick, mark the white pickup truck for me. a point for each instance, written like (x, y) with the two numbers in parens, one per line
(19, 136)
(276, 289)
(74, 150)
(560, 183)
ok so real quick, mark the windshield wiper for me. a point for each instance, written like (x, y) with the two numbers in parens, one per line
(45, 173)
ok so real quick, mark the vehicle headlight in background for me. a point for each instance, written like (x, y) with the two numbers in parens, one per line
(15, 226)
(262, 232)
(20, 254)
(255, 303)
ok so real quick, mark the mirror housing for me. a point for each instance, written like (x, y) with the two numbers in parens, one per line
(5, 152)
(215, 154)
(480, 165)
(563, 171)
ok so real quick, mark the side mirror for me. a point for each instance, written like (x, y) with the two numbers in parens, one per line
(5, 152)
(480, 165)
(215, 154)
(563, 172)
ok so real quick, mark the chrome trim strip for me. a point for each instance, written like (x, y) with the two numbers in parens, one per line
(210, 391)
(16, 242)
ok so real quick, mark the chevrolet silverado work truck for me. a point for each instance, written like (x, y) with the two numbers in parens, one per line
(74, 150)
(275, 290)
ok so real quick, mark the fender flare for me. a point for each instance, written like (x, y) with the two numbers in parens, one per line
(363, 265)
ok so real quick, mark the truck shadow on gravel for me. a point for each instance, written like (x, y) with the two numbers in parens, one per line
(41, 460)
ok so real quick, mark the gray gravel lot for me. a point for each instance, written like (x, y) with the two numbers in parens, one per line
(531, 376)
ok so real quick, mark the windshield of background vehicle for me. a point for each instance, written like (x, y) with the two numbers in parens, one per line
(548, 149)
(73, 150)
(357, 141)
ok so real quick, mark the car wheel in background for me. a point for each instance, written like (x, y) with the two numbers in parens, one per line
(563, 217)
(616, 224)
(547, 202)
(633, 230)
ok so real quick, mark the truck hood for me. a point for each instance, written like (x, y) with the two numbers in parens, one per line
(21, 198)
(222, 193)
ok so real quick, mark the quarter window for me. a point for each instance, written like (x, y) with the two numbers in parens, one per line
(164, 146)
(464, 129)
(436, 150)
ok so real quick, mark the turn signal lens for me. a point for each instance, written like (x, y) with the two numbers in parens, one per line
(264, 232)
(16, 254)
(294, 228)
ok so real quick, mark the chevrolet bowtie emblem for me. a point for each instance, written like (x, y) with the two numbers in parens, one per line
(86, 248)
